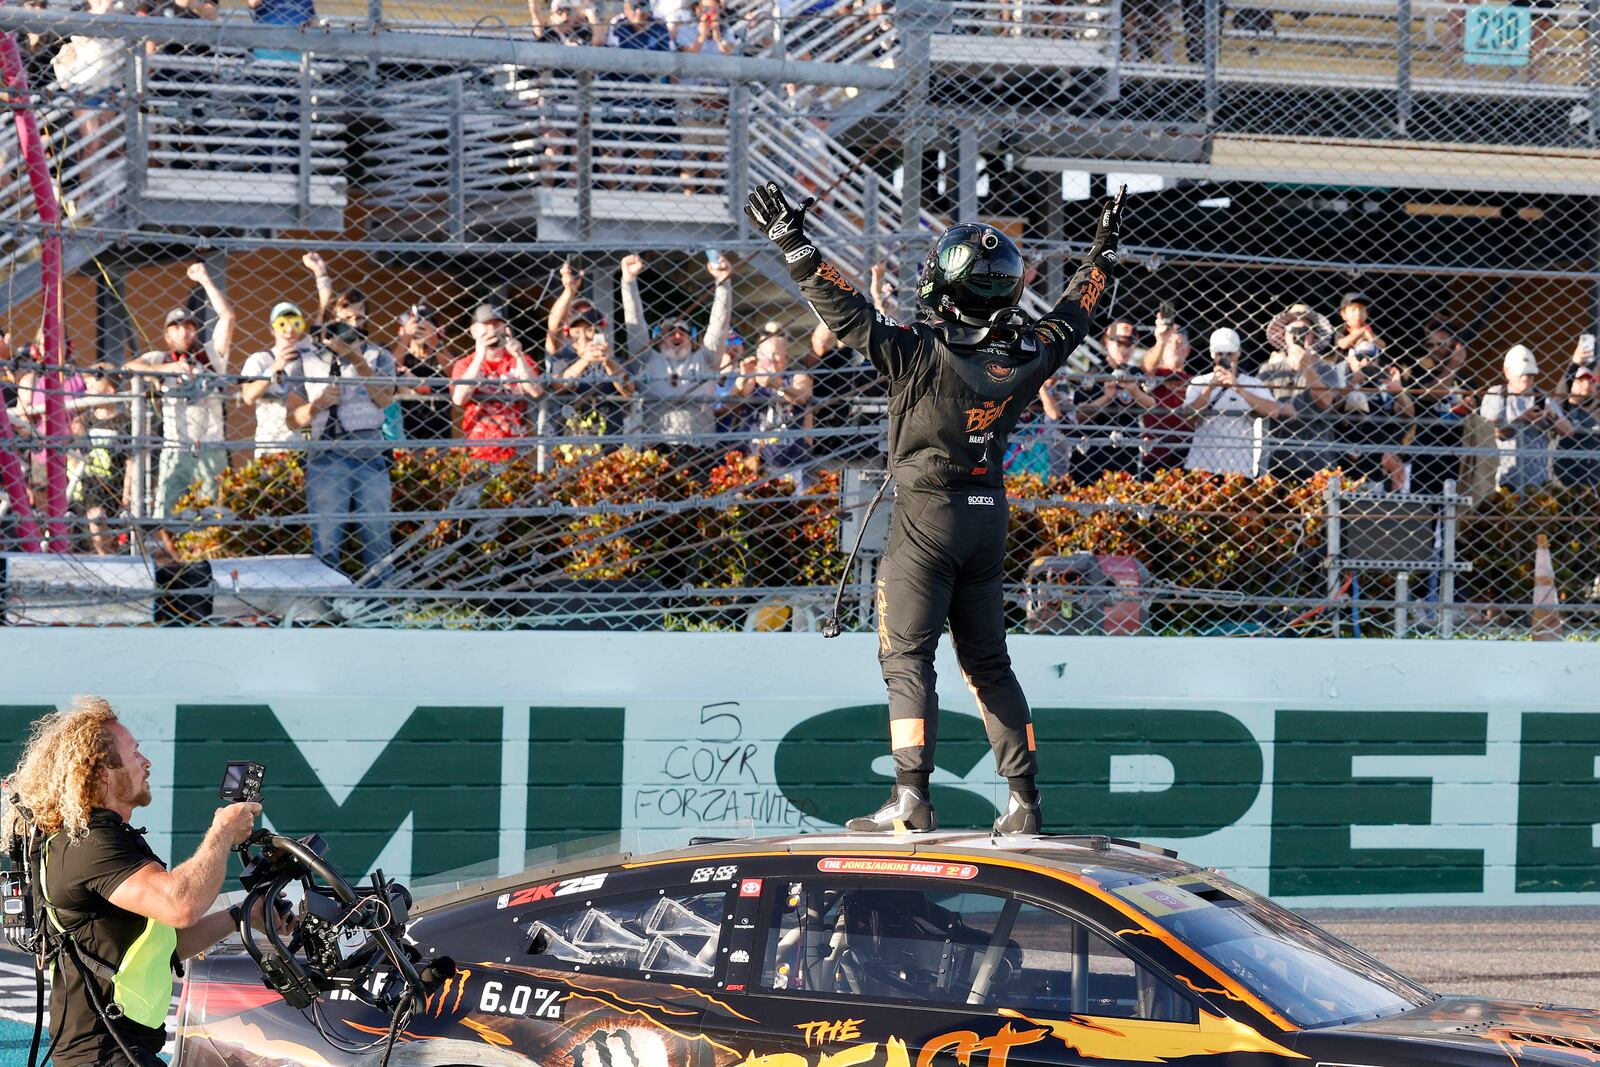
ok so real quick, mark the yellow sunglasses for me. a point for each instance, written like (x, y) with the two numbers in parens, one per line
(294, 322)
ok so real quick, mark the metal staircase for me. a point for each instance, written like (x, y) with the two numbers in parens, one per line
(223, 141)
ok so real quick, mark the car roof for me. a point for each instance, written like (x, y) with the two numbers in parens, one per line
(1064, 854)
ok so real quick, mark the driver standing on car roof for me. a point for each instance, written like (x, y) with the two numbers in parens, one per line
(116, 920)
(957, 385)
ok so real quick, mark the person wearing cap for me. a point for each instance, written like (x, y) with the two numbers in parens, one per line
(1525, 420)
(591, 382)
(677, 374)
(1111, 406)
(568, 23)
(1229, 407)
(1354, 313)
(192, 377)
(266, 376)
(420, 356)
(338, 394)
(1578, 459)
(494, 387)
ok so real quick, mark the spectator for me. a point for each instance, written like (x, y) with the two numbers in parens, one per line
(677, 377)
(1524, 421)
(1578, 461)
(1383, 424)
(570, 23)
(1298, 375)
(1038, 446)
(568, 304)
(90, 68)
(1582, 356)
(420, 357)
(494, 387)
(592, 384)
(339, 395)
(102, 484)
(1111, 408)
(267, 376)
(1165, 428)
(777, 405)
(39, 50)
(635, 28)
(281, 13)
(1357, 325)
(192, 378)
(883, 291)
(1444, 399)
(1230, 407)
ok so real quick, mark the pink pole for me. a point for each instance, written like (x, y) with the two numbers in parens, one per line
(56, 427)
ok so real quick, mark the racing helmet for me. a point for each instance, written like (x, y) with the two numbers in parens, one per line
(970, 277)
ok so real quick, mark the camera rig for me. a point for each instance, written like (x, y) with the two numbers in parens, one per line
(344, 937)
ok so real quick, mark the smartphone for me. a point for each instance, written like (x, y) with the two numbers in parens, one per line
(1586, 346)
(713, 257)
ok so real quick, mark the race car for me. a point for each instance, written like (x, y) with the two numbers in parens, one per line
(839, 951)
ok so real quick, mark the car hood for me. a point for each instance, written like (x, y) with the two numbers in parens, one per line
(1543, 1032)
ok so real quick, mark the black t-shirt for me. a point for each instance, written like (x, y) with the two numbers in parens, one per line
(80, 875)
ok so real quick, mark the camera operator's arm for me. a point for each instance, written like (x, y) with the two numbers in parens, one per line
(283, 354)
(890, 347)
(181, 897)
(1260, 401)
(302, 407)
(716, 335)
(222, 333)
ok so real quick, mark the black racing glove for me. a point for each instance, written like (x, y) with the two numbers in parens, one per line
(784, 225)
(1103, 253)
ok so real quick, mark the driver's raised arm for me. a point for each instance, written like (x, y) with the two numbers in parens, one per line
(1065, 326)
(181, 897)
(888, 346)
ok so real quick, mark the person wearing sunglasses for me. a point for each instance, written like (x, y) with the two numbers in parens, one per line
(192, 377)
(266, 377)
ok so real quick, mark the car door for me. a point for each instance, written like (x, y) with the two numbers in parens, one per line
(600, 970)
(915, 963)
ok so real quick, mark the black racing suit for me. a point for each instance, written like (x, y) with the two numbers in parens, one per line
(950, 412)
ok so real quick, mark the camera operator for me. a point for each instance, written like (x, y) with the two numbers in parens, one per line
(1229, 406)
(120, 918)
(1111, 408)
(344, 388)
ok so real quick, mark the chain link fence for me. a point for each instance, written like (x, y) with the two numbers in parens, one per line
(415, 315)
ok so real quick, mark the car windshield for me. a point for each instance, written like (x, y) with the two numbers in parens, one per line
(1306, 974)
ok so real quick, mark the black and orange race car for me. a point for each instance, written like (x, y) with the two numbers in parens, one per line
(831, 951)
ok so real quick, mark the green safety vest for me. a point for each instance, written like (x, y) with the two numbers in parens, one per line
(142, 985)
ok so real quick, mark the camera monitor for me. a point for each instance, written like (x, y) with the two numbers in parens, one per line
(242, 782)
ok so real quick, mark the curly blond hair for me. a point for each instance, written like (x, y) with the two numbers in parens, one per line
(58, 776)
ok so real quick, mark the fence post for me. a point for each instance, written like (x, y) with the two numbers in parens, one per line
(1330, 497)
(917, 21)
(134, 128)
(139, 459)
(1402, 44)
(584, 153)
(1447, 557)
(458, 177)
(870, 221)
(966, 172)
(738, 152)
(1212, 49)
(303, 168)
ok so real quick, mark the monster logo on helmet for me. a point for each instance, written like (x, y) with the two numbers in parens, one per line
(970, 279)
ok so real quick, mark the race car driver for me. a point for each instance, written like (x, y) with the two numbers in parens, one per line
(957, 384)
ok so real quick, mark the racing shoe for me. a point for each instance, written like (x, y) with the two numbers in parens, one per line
(906, 810)
(1020, 819)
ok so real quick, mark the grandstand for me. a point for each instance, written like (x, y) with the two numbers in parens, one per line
(1437, 158)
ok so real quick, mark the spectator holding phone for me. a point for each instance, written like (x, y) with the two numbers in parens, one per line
(1526, 423)
(266, 376)
(420, 356)
(1228, 438)
(1165, 427)
(494, 387)
(339, 395)
(677, 374)
(1444, 398)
